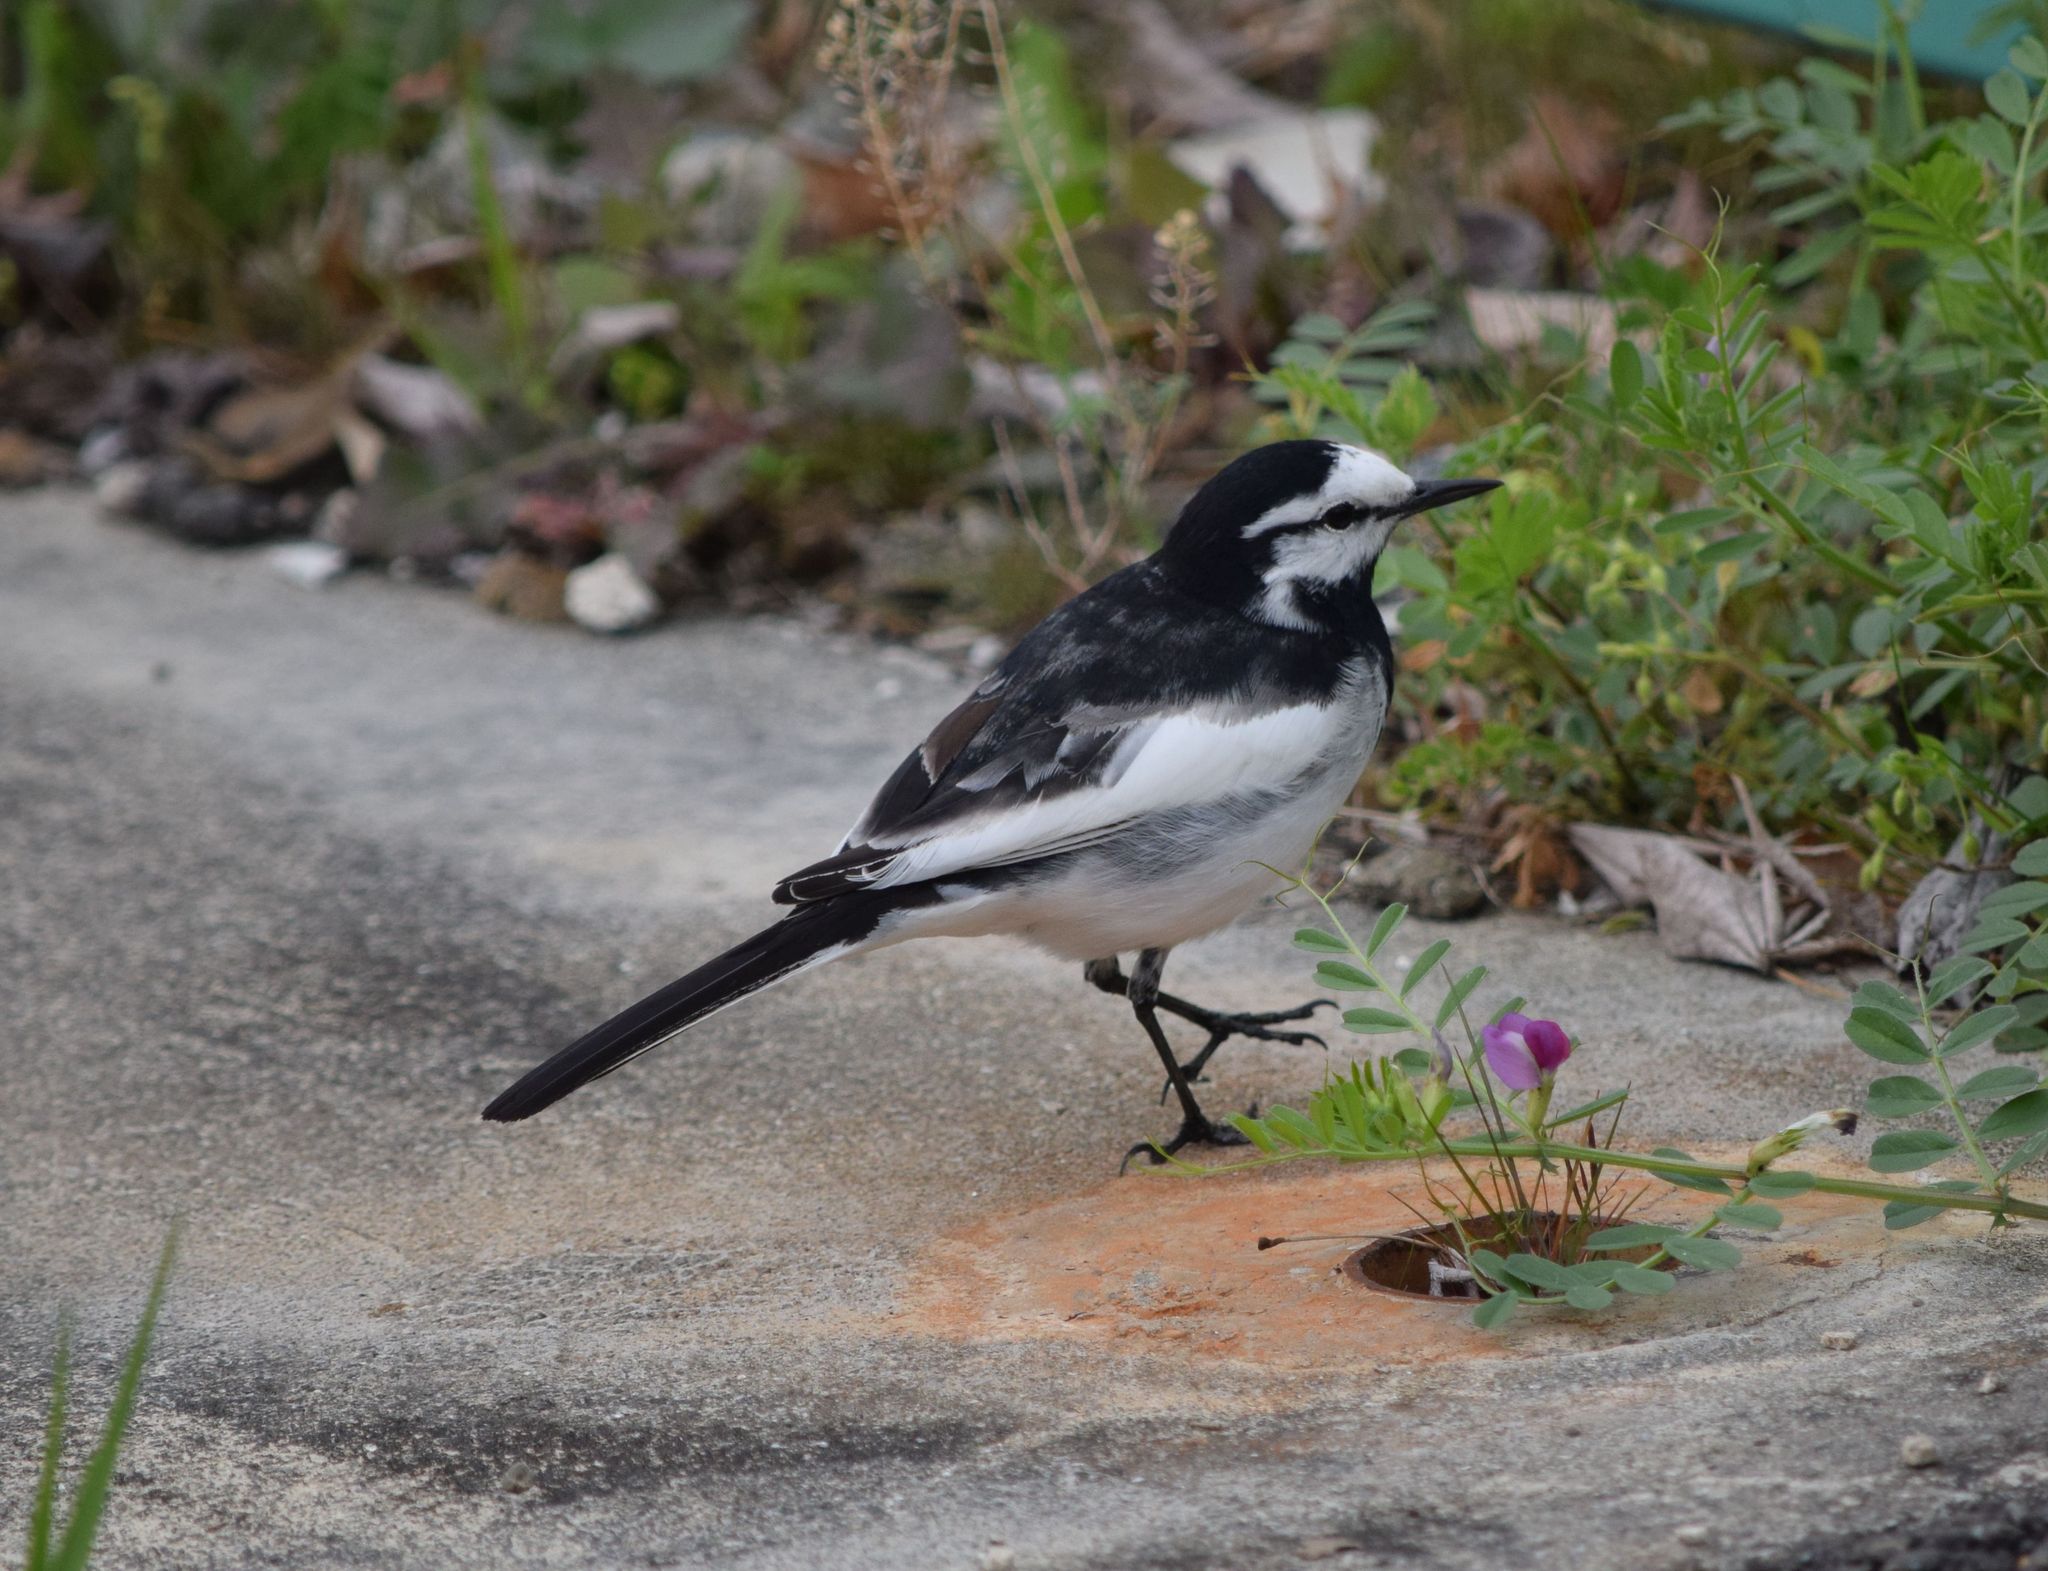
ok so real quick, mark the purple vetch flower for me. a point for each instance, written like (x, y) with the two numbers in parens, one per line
(1523, 1053)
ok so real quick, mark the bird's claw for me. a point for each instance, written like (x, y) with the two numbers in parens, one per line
(1259, 1028)
(1205, 1131)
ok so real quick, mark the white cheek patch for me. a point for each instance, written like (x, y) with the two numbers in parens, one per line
(1318, 556)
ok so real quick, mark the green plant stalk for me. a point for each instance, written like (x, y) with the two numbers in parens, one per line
(1539, 1150)
(1985, 1170)
(2019, 183)
(499, 256)
(1970, 1143)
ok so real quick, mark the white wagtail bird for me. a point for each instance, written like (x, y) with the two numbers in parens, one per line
(1127, 779)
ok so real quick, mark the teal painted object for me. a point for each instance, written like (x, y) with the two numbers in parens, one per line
(1941, 38)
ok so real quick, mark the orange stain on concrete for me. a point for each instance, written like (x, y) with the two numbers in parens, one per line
(1170, 1264)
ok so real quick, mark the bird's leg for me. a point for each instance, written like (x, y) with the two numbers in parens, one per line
(1195, 1126)
(1108, 976)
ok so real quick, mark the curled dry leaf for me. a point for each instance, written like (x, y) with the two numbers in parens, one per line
(1751, 903)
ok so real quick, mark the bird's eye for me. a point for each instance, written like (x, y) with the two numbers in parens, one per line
(1342, 516)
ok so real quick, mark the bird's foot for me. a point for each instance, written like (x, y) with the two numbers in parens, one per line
(1197, 1131)
(1259, 1028)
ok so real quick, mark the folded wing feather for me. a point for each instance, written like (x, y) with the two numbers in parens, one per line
(1061, 785)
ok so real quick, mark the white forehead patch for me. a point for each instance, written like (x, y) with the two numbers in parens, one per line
(1359, 476)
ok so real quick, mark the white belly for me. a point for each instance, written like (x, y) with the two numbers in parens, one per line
(1185, 885)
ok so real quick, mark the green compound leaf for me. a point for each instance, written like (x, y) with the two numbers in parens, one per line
(1460, 991)
(1294, 1128)
(1317, 941)
(1344, 978)
(1640, 1279)
(1748, 1213)
(1254, 1131)
(1902, 1214)
(1708, 1254)
(1781, 1183)
(1538, 1272)
(1424, 964)
(1908, 1150)
(1951, 976)
(1899, 1215)
(1882, 995)
(1885, 1036)
(1630, 1235)
(1375, 1022)
(1494, 1312)
(2016, 900)
(2022, 1116)
(1599, 1104)
(1705, 1185)
(1583, 1295)
(1978, 1028)
(1489, 1265)
(1990, 1084)
(1383, 929)
(1900, 1096)
(1625, 373)
(2036, 1147)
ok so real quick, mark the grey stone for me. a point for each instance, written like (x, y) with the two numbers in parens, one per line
(1427, 879)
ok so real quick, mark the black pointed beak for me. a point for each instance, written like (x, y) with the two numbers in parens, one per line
(1441, 493)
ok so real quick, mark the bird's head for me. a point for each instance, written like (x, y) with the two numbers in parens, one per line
(1291, 531)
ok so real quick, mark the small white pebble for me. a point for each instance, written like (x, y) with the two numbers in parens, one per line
(1918, 1451)
(1838, 1341)
(999, 1556)
(1990, 1385)
(308, 563)
(1692, 1533)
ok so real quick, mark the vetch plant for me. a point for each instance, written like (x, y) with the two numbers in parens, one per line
(2009, 1002)
(1533, 1215)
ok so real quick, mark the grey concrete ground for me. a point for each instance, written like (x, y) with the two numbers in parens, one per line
(291, 882)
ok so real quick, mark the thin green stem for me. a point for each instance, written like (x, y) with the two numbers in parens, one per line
(1985, 1170)
(1862, 1189)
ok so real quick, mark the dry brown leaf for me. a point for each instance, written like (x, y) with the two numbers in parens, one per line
(266, 433)
(1422, 655)
(27, 461)
(1752, 903)
(1540, 855)
(1703, 912)
(521, 586)
(1699, 690)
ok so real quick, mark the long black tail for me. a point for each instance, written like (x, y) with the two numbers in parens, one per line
(808, 936)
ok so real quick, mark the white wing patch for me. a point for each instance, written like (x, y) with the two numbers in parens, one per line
(1174, 761)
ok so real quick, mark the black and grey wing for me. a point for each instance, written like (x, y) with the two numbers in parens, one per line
(1081, 732)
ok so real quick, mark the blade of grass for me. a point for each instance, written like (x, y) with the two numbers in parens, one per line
(91, 1503)
(44, 1509)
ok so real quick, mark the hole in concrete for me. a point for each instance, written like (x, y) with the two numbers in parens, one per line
(1423, 1262)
